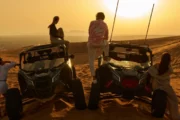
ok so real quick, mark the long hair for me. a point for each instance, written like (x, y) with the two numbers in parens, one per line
(54, 19)
(164, 64)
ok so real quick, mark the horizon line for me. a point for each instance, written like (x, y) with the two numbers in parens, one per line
(87, 35)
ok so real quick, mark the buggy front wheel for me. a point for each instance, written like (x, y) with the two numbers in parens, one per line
(13, 104)
(94, 96)
(158, 105)
(78, 94)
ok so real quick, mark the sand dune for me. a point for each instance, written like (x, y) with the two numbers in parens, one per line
(110, 108)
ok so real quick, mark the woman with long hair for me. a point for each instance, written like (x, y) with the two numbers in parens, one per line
(57, 35)
(160, 74)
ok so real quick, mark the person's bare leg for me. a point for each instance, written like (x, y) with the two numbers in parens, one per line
(61, 33)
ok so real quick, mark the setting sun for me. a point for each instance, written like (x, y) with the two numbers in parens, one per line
(130, 8)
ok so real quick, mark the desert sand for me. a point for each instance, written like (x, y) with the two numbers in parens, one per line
(109, 108)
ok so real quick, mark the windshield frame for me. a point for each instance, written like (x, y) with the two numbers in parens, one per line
(131, 53)
(42, 55)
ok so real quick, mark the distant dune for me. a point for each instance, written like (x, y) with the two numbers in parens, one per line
(111, 108)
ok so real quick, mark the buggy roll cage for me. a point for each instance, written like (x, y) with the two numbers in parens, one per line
(143, 48)
(43, 51)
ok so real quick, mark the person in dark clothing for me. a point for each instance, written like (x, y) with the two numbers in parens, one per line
(57, 35)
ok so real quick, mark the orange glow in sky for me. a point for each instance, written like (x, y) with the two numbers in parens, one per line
(130, 8)
(24, 17)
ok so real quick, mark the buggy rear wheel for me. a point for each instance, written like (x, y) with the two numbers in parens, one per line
(94, 96)
(13, 104)
(78, 93)
(158, 105)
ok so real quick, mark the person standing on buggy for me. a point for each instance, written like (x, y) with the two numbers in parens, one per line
(98, 39)
(57, 35)
(5, 66)
(160, 79)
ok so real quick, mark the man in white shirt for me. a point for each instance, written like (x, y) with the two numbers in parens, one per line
(5, 66)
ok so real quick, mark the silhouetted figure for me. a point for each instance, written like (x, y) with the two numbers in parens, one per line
(57, 35)
(98, 39)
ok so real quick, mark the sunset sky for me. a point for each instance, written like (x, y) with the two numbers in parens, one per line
(31, 17)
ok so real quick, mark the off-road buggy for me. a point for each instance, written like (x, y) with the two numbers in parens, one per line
(44, 71)
(125, 74)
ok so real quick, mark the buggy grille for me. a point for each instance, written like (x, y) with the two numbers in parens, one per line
(43, 86)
